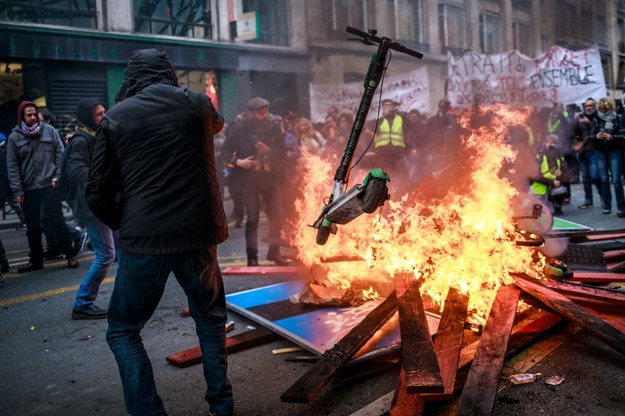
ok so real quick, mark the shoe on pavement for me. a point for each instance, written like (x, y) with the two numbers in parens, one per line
(92, 312)
(4, 266)
(585, 205)
(606, 211)
(620, 213)
(558, 211)
(52, 254)
(72, 262)
(278, 259)
(252, 262)
(30, 267)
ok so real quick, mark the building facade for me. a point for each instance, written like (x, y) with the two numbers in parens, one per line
(56, 52)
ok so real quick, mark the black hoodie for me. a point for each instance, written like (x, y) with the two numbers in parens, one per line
(153, 168)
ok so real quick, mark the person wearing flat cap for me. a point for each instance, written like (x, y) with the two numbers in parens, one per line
(255, 152)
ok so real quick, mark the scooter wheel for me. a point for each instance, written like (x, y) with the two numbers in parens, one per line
(323, 233)
(374, 195)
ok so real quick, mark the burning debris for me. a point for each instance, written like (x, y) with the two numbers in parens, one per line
(456, 229)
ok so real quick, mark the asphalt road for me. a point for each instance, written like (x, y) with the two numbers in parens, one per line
(52, 365)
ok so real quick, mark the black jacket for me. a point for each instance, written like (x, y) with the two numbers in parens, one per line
(152, 173)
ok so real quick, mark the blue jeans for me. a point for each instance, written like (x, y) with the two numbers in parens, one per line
(595, 170)
(615, 163)
(139, 285)
(101, 238)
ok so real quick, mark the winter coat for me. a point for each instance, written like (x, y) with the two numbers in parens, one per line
(33, 161)
(152, 172)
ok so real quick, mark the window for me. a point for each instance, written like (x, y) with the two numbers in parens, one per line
(186, 18)
(405, 20)
(451, 24)
(76, 13)
(566, 21)
(521, 37)
(602, 23)
(273, 21)
(490, 33)
(341, 13)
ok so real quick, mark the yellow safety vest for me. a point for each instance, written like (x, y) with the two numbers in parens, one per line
(390, 134)
(540, 188)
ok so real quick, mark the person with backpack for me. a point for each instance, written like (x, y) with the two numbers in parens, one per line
(74, 175)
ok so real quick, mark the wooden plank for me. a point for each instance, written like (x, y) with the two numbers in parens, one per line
(589, 236)
(480, 389)
(405, 403)
(312, 383)
(589, 292)
(447, 345)
(266, 270)
(234, 343)
(597, 277)
(614, 319)
(570, 310)
(614, 255)
(422, 372)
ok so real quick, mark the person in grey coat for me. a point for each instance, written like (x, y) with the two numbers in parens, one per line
(34, 153)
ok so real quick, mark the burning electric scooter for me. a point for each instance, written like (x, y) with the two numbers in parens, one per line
(344, 206)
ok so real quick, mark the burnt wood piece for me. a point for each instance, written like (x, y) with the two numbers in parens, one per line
(423, 375)
(266, 270)
(589, 236)
(405, 403)
(604, 299)
(480, 389)
(338, 259)
(447, 345)
(234, 343)
(312, 383)
(614, 319)
(570, 310)
(597, 277)
(613, 256)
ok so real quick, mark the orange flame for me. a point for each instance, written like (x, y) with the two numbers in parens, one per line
(464, 238)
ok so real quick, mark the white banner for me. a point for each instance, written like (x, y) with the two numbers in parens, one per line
(558, 75)
(411, 91)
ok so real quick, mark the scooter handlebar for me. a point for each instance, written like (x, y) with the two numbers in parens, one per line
(371, 37)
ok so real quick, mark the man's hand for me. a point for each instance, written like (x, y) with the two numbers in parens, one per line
(20, 199)
(247, 163)
(262, 148)
(54, 182)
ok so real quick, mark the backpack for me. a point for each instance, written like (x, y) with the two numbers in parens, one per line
(64, 186)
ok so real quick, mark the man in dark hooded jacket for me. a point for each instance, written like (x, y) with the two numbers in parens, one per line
(153, 178)
(34, 154)
(79, 150)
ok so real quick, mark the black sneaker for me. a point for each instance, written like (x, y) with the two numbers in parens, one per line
(30, 267)
(620, 213)
(606, 211)
(585, 205)
(93, 312)
(4, 266)
(52, 254)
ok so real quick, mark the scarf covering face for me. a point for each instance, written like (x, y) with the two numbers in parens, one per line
(31, 131)
(147, 67)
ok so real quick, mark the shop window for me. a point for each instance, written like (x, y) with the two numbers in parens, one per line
(451, 23)
(185, 18)
(76, 13)
(272, 19)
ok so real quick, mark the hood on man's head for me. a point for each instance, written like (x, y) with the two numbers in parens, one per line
(146, 67)
(84, 112)
(20, 110)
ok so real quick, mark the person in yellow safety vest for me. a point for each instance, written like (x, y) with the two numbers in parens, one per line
(390, 144)
(549, 185)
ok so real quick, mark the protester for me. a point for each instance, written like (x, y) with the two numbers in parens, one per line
(33, 159)
(80, 148)
(165, 201)
(256, 151)
(550, 183)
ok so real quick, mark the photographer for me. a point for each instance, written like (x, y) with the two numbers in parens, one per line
(609, 138)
